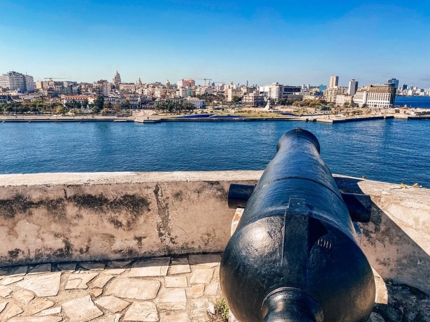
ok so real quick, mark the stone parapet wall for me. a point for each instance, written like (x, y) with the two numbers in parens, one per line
(397, 239)
(94, 216)
(64, 217)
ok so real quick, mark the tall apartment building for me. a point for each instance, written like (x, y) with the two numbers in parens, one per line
(352, 87)
(17, 81)
(334, 81)
(379, 96)
(106, 88)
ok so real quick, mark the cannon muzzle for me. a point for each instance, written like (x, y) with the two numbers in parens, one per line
(294, 255)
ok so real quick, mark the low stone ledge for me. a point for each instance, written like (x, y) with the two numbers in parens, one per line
(94, 216)
(99, 216)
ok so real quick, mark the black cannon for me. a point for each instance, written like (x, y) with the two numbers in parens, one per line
(294, 255)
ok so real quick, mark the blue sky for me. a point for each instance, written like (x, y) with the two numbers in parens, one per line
(292, 42)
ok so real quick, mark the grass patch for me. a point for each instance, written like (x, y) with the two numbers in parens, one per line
(222, 311)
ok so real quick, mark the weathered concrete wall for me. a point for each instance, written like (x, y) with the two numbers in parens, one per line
(90, 216)
(61, 217)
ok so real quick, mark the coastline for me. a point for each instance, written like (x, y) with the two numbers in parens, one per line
(404, 114)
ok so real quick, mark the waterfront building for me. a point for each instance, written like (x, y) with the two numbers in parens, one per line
(198, 103)
(331, 93)
(75, 98)
(352, 87)
(133, 100)
(334, 81)
(17, 81)
(342, 100)
(112, 99)
(116, 79)
(278, 91)
(253, 99)
(379, 96)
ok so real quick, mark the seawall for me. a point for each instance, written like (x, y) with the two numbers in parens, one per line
(62, 217)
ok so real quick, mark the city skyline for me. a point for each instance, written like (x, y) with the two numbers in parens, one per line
(242, 41)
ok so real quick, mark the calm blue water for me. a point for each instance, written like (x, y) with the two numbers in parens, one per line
(388, 150)
(413, 101)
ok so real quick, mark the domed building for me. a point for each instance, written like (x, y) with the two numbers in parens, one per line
(116, 80)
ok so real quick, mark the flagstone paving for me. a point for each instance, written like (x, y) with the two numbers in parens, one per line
(165, 289)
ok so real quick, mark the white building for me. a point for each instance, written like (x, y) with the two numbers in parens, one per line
(182, 92)
(379, 96)
(342, 99)
(334, 81)
(76, 98)
(197, 102)
(29, 83)
(16, 81)
(352, 87)
(277, 91)
(106, 88)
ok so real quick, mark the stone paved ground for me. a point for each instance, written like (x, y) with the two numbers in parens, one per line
(168, 289)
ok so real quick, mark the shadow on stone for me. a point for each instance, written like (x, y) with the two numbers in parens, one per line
(398, 258)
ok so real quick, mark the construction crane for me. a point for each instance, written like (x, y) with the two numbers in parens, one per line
(51, 78)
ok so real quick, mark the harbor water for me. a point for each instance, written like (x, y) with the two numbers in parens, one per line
(396, 151)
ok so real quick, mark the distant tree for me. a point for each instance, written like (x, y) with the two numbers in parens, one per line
(99, 103)
(125, 105)
(84, 103)
(236, 99)
(60, 110)
(188, 106)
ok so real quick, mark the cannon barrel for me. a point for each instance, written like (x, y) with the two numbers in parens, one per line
(294, 255)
